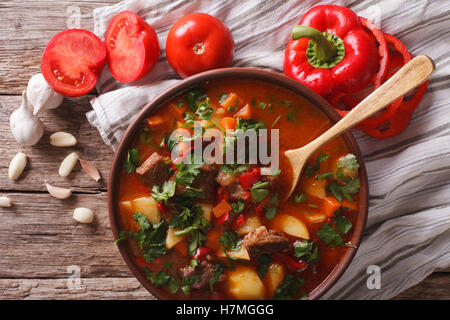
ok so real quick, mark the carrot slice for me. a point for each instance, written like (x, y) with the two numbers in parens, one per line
(222, 208)
(232, 102)
(349, 205)
(228, 123)
(330, 205)
(182, 248)
(244, 113)
(178, 111)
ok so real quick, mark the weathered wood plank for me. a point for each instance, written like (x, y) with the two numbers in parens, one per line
(44, 159)
(435, 287)
(40, 239)
(92, 288)
(130, 288)
(26, 28)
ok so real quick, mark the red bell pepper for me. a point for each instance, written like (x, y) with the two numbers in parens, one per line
(239, 221)
(201, 252)
(223, 218)
(250, 177)
(290, 263)
(330, 52)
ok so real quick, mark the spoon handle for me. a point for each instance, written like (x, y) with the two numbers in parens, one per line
(414, 73)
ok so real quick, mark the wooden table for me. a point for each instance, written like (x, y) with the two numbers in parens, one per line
(40, 243)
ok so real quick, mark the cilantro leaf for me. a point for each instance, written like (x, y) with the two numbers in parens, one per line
(238, 206)
(162, 279)
(310, 170)
(222, 97)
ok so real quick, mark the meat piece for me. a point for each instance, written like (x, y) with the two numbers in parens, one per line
(156, 169)
(262, 241)
(231, 181)
(204, 270)
(206, 180)
(225, 179)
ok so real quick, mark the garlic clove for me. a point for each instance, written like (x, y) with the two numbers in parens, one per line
(41, 96)
(90, 169)
(5, 202)
(17, 165)
(62, 139)
(57, 192)
(83, 215)
(26, 127)
(68, 164)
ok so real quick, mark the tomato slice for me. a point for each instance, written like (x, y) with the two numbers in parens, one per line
(199, 42)
(73, 61)
(132, 47)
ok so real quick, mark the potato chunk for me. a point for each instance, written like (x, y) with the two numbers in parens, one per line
(292, 226)
(172, 239)
(207, 210)
(252, 223)
(315, 187)
(244, 283)
(148, 207)
(242, 254)
(274, 277)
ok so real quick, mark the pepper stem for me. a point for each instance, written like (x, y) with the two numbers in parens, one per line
(324, 50)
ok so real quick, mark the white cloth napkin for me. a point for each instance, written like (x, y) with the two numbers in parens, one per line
(408, 230)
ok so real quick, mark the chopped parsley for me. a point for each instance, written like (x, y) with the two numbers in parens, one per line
(132, 160)
(349, 161)
(307, 250)
(288, 289)
(276, 120)
(325, 175)
(162, 279)
(217, 271)
(300, 198)
(187, 173)
(229, 240)
(290, 116)
(333, 236)
(150, 238)
(345, 191)
(310, 170)
(263, 264)
(259, 191)
(164, 193)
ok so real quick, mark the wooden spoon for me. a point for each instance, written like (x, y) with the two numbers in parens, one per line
(407, 78)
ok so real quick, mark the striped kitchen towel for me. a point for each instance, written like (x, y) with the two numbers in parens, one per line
(408, 230)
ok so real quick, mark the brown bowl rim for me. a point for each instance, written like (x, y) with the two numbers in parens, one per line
(247, 74)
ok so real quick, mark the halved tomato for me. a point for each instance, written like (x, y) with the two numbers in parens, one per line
(132, 47)
(73, 61)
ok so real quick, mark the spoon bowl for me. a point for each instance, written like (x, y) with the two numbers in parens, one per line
(410, 76)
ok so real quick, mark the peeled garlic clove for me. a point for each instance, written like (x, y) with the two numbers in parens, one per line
(83, 215)
(57, 192)
(26, 127)
(62, 139)
(41, 96)
(67, 164)
(90, 169)
(17, 165)
(5, 202)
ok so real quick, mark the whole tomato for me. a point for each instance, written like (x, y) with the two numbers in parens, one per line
(199, 42)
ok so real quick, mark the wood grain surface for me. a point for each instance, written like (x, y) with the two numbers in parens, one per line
(41, 246)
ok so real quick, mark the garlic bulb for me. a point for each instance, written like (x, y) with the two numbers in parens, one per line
(26, 127)
(41, 96)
